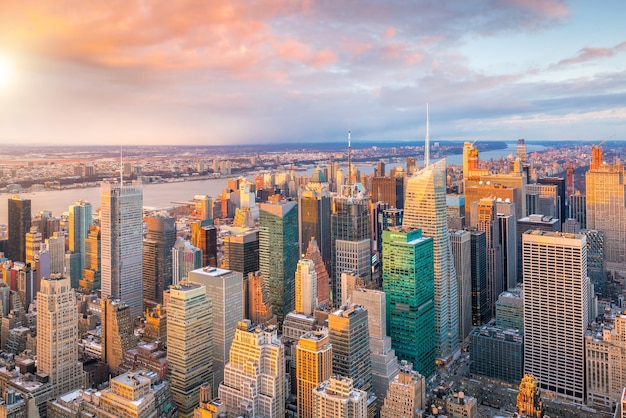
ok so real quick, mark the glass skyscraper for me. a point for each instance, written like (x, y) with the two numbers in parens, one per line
(278, 253)
(121, 220)
(425, 208)
(408, 283)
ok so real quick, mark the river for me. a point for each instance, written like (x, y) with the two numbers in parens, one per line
(164, 194)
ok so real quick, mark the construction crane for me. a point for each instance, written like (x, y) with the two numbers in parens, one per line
(597, 154)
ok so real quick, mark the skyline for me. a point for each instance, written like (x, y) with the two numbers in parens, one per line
(233, 72)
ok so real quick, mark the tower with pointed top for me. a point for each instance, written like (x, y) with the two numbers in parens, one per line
(425, 208)
(350, 234)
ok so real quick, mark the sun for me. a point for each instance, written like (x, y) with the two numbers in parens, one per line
(6, 72)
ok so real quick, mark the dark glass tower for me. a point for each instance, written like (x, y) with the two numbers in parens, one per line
(480, 308)
(19, 225)
(157, 258)
(278, 253)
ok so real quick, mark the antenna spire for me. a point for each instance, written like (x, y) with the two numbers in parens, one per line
(427, 145)
(349, 162)
(121, 168)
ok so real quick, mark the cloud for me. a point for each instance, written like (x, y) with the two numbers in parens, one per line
(235, 71)
(590, 54)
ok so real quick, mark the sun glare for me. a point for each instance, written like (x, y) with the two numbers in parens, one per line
(6, 72)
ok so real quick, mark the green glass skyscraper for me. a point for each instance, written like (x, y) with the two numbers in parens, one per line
(278, 253)
(408, 281)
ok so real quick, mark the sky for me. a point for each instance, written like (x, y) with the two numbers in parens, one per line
(285, 71)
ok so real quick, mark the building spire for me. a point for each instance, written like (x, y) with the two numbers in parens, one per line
(427, 145)
(349, 162)
(121, 169)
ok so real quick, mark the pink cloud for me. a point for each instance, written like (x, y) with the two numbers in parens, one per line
(590, 54)
(295, 50)
(389, 32)
(222, 34)
(543, 8)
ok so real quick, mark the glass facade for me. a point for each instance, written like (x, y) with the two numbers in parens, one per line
(408, 283)
(278, 253)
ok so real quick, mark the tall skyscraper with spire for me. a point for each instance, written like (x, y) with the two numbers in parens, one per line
(121, 220)
(350, 233)
(425, 208)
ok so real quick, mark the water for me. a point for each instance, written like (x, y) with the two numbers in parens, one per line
(163, 195)
(154, 195)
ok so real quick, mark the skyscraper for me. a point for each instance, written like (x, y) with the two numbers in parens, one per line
(189, 344)
(314, 216)
(57, 333)
(470, 160)
(480, 309)
(259, 390)
(19, 225)
(543, 199)
(384, 360)
(487, 222)
(349, 335)
(121, 222)
(561, 195)
(507, 239)
(532, 222)
(408, 284)
(79, 222)
(278, 253)
(257, 306)
(225, 289)
(596, 263)
(205, 237)
(556, 307)
(314, 364)
(91, 278)
(157, 257)
(33, 241)
(389, 190)
(462, 253)
(606, 210)
(425, 208)
(56, 247)
(321, 273)
(578, 208)
(241, 251)
(185, 258)
(117, 333)
(350, 230)
(306, 287)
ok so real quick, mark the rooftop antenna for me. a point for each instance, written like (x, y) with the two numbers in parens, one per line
(349, 162)
(427, 145)
(121, 169)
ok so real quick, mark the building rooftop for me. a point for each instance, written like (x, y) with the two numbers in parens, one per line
(211, 271)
